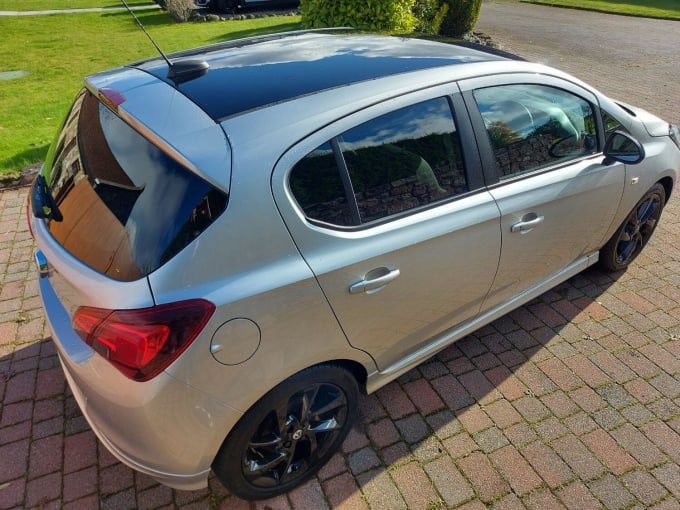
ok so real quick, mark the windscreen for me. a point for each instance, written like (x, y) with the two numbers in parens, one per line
(116, 201)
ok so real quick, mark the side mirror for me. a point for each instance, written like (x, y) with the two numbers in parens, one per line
(624, 148)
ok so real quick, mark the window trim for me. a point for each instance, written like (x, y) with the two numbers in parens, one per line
(470, 158)
(490, 168)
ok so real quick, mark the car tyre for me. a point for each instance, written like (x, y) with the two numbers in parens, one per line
(289, 433)
(632, 236)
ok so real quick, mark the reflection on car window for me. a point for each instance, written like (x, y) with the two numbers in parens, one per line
(394, 163)
(534, 126)
(610, 123)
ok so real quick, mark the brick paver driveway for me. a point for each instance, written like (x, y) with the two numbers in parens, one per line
(572, 401)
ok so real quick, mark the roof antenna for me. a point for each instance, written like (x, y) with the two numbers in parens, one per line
(181, 71)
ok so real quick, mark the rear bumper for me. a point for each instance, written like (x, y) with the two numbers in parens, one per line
(162, 428)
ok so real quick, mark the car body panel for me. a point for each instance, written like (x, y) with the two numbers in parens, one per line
(281, 283)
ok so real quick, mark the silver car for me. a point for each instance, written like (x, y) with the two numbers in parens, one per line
(232, 247)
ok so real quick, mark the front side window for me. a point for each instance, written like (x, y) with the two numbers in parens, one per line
(534, 126)
(400, 161)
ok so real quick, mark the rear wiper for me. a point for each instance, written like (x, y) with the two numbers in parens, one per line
(43, 202)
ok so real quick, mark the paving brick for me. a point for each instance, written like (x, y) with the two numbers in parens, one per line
(395, 401)
(535, 380)
(638, 363)
(520, 434)
(503, 414)
(379, 491)
(42, 490)
(428, 449)
(383, 433)
(479, 387)
(508, 502)
(362, 460)
(397, 453)
(573, 451)
(276, 503)
(516, 470)
(484, 478)
(669, 475)
(610, 491)
(50, 382)
(616, 396)
(547, 464)
(16, 413)
(642, 391)
(415, 487)
(560, 404)
(587, 399)
(355, 439)
(308, 495)
(423, 396)
(542, 500)
(12, 493)
(412, 428)
(531, 409)
(454, 395)
(506, 383)
(474, 419)
(607, 449)
(490, 439)
(577, 495)
(80, 451)
(342, 492)
(550, 428)
(644, 487)
(444, 424)
(451, 485)
(664, 437)
(20, 387)
(83, 483)
(667, 385)
(45, 456)
(14, 460)
(115, 478)
(460, 445)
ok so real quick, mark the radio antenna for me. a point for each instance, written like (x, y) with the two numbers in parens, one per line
(178, 72)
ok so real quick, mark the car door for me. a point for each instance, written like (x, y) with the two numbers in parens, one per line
(541, 138)
(389, 210)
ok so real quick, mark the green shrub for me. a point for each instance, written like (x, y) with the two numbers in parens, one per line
(429, 15)
(461, 18)
(376, 15)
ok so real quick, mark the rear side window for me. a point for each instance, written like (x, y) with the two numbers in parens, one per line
(535, 126)
(397, 162)
(127, 207)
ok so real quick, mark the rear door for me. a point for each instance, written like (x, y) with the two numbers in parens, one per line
(541, 138)
(389, 209)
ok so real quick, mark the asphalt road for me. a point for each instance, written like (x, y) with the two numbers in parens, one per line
(635, 60)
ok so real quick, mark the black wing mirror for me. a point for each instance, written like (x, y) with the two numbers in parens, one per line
(624, 148)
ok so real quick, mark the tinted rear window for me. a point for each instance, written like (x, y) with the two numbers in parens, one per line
(127, 206)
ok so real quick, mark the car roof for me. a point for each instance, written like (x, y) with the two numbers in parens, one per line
(249, 74)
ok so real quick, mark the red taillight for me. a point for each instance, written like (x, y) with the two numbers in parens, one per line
(142, 343)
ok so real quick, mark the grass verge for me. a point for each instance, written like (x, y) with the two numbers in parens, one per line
(58, 50)
(42, 5)
(661, 9)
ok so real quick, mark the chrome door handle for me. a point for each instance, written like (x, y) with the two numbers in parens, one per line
(528, 223)
(374, 281)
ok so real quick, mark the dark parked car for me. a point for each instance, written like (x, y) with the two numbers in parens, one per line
(230, 249)
(232, 5)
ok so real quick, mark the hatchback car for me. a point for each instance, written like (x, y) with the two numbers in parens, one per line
(231, 249)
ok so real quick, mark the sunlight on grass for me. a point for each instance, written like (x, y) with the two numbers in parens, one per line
(60, 50)
(665, 9)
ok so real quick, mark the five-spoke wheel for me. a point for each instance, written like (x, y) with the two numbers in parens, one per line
(633, 234)
(289, 434)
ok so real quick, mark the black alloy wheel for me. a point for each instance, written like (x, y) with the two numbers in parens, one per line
(629, 240)
(289, 434)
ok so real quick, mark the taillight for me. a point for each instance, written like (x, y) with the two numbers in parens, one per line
(142, 343)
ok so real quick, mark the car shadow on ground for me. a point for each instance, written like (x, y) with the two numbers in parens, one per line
(467, 394)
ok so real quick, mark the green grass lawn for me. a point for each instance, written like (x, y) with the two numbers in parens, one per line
(664, 9)
(59, 50)
(40, 5)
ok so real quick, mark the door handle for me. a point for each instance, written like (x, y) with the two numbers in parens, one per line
(374, 280)
(528, 223)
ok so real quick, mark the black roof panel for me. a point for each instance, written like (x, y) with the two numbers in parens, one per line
(249, 74)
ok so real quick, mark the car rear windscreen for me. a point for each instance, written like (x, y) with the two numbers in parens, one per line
(121, 205)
